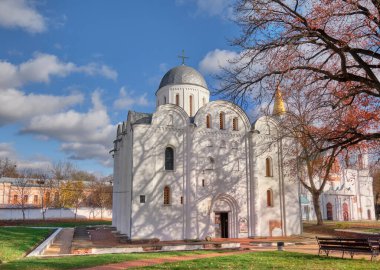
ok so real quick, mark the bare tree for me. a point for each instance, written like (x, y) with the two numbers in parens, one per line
(330, 48)
(22, 191)
(100, 196)
(8, 168)
(60, 171)
(46, 186)
(72, 194)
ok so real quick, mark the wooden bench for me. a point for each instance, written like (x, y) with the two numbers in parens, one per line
(348, 245)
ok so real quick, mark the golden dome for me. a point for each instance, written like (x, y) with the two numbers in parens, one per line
(279, 105)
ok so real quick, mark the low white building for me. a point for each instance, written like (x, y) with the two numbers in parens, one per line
(348, 195)
(196, 168)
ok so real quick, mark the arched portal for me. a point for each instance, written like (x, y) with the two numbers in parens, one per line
(346, 213)
(225, 214)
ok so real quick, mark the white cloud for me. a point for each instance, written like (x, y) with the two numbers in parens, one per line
(94, 69)
(215, 60)
(78, 132)
(216, 7)
(126, 100)
(19, 106)
(82, 151)
(20, 14)
(43, 66)
(222, 8)
(7, 151)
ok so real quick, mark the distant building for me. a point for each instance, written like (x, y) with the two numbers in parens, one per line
(196, 168)
(11, 195)
(348, 195)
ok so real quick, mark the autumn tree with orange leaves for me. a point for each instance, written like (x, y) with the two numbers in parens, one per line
(325, 56)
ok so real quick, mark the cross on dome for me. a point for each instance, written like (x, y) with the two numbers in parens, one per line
(183, 57)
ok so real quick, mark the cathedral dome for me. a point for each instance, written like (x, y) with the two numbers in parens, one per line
(183, 75)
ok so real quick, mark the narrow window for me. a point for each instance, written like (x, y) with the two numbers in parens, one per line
(211, 162)
(142, 198)
(35, 199)
(47, 198)
(25, 198)
(269, 198)
(203, 182)
(166, 195)
(204, 101)
(268, 167)
(221, 120)
(235, 125)
(15, 199)
(208, 121)
(222, 144)
(169, 159)
(164, 100)
(191, 105)
(177, 99)
(181, 199)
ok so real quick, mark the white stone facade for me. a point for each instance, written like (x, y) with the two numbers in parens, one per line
(348, 197)
(218, 185)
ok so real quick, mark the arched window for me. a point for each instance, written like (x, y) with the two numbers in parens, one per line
(164, 100)
(191, 105)
(203, 101)
(221, 120)
(268, 167)
(208, 121)
(166, 195)
(177, 99)
(369, 214)
(269, 198)
(235, 124)
(329, 211)
(169, 159)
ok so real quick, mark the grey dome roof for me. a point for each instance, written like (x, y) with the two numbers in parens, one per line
(183, 75)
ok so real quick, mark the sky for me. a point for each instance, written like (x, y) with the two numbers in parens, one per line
(70, 70)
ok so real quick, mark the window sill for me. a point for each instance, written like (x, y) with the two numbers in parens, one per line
(166, 205)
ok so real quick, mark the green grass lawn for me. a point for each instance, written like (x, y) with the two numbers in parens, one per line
(74, 262)
(271, 260)
(254, 260)
(17, 241)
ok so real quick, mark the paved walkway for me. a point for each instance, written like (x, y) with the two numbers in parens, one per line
(153, 261)
(62, 244)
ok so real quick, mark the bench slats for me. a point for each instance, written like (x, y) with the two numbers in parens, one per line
(349, 245)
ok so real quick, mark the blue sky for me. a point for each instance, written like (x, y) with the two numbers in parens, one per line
(71, 70)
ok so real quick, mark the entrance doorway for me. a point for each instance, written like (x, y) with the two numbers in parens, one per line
(346, 213)
(221, 220)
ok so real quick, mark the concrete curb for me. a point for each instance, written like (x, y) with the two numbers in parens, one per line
(45, 244)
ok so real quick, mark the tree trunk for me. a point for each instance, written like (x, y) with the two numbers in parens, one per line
(317, 207)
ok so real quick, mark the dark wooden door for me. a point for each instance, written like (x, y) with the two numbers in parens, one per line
(224, 225)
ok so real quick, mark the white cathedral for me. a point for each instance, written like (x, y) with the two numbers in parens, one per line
(196, 168)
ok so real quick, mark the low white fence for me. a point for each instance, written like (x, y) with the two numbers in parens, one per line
(55, 213)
